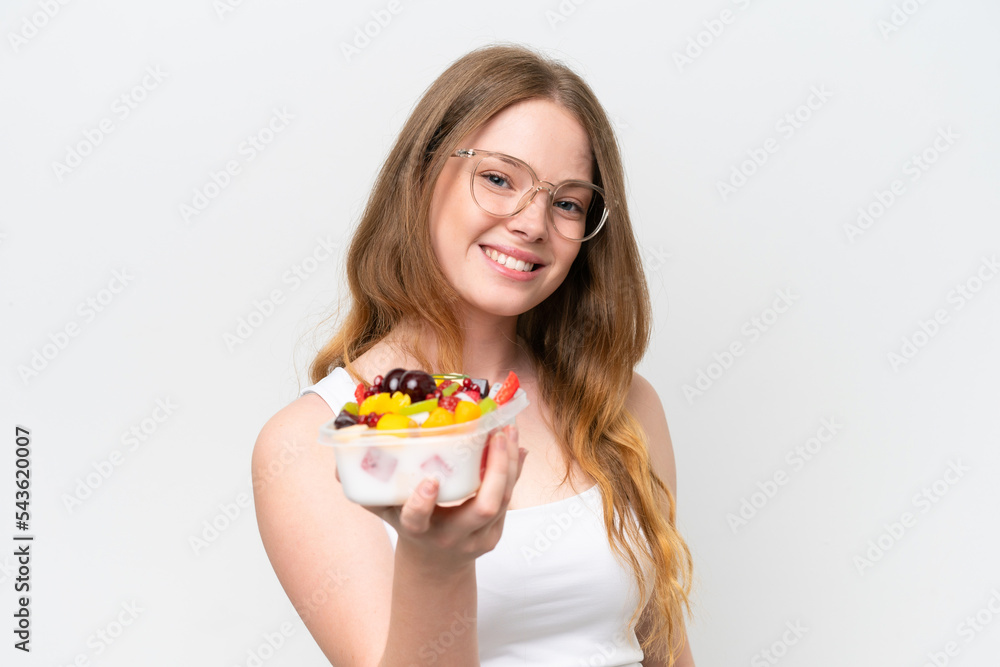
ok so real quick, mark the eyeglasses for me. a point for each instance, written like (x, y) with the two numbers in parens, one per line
(503, 186)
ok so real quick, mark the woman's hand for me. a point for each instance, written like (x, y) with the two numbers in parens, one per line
(443, 538)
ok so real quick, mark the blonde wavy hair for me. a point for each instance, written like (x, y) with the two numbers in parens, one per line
(585, 339)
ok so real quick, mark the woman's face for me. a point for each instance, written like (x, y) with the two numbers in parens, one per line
(464, 236)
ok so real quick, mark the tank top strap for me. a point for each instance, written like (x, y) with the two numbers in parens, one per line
(336, 388)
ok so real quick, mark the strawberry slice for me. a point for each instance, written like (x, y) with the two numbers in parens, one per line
(379, 464)
(507, 389)
(359, 393)
(435, 465)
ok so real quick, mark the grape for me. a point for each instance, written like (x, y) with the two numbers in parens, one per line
(416, 384)
(390, 383)
(345, 419)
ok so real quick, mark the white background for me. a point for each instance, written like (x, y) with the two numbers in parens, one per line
(714, 263)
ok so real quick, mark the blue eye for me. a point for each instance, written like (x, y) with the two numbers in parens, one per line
(496, 180)
(569, 207)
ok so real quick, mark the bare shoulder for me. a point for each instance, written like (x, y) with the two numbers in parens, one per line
(332, 557)
(645, 405)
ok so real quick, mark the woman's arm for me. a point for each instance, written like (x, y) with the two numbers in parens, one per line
(365, 605)
(433, 614)
(333, 558)
(645, 405)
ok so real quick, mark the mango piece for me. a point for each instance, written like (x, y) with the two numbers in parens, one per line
(466, 411)
(398, 401)
(392, 421)
(368, 405)
(439, 417)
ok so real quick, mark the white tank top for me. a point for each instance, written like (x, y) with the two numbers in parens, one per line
(551, 592)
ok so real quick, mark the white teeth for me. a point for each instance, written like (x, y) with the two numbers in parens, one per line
(509, 262)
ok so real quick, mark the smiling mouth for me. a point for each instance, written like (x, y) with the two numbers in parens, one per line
(509, 262)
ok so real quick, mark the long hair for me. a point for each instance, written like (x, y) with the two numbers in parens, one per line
(586, 338)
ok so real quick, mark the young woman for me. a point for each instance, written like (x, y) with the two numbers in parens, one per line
(496, 238)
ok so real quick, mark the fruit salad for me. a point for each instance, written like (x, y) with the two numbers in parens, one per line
(405, 399)
(408, 425)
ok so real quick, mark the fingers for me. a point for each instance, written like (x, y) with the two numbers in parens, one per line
(504, 463)
(490, 495)
(501, 473)
(415, 515)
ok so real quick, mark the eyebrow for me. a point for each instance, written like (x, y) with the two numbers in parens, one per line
(511, 161)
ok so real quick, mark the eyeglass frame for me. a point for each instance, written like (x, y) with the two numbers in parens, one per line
(536, 185)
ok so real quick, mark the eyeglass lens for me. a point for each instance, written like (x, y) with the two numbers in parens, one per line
(502, 186)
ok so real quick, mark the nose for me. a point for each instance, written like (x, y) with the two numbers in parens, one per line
(532, 221)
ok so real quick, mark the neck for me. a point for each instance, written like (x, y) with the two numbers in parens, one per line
(490, 349)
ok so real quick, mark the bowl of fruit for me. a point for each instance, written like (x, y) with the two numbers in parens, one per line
(410, 425)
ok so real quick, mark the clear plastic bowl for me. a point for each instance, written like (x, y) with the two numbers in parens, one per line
(385, 467)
